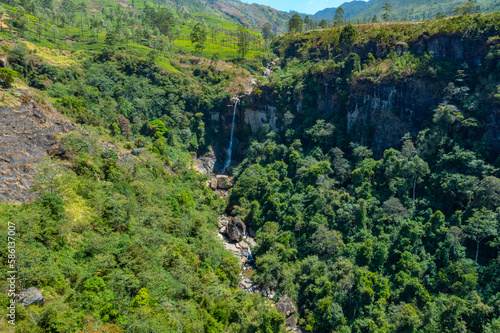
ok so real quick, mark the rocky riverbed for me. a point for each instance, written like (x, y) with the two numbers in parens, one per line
(236, 239)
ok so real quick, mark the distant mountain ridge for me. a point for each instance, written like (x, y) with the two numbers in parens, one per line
(351, 9)
(403, 10)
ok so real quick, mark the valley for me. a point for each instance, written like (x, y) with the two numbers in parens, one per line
(216, 166)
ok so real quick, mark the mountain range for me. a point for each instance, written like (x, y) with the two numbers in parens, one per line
(402, 9)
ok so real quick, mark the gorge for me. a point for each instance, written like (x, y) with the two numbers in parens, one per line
(165, 176)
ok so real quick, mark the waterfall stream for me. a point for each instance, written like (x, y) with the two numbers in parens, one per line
(230, 149)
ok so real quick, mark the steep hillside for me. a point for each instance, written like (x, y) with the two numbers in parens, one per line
(395, 76)
(251, 15)
(99, 127)
(362, 191)
(375, 168)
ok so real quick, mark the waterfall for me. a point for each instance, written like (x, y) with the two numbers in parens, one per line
(250, 255)
(230, 149)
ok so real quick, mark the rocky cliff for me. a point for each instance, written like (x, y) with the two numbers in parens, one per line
(251, 115)
(28, 134)
(377, 111)
(380, 114)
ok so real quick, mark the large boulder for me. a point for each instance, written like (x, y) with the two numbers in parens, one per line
(213, 184)
(285, 306)
(236, 229)
(223, 182)
(291, 323)
(56, 149)
(30, 296)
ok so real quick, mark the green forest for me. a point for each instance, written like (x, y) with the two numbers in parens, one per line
(373, 189)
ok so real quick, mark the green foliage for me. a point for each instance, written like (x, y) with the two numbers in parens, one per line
(243, 41)
(400, 240)
(136, 250)
(295, 24)
(467, 8)
(7, 76)
(199, 37)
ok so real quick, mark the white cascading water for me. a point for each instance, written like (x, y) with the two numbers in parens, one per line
(230, 149)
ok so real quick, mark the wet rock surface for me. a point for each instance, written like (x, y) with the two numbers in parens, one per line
(286, 307)
(242, 248)
(27, 135)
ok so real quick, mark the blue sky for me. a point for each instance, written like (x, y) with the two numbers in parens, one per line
(303, 6)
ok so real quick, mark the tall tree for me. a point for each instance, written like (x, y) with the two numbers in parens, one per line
(243, 41)
(68, 9)
(482, 224)
(307, 22)
(339, 19)
(467, 8)
(39, 30)
(267, 31)
(387, 7)
(198, 38)
(53, 32)
(395, 209)
(347, 38)
(295, 24)
(323, 24)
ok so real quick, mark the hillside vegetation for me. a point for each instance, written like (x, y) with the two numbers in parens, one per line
(375, 204)
(365, 237)
(116, 242)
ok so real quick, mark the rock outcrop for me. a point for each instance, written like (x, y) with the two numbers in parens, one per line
(286, 306)
(30, 296)
(381, 109)
(242, 249)
(221, 182)
(206, 164)
(56, 149)
(236, 229)
(27, 135)
(380, 114)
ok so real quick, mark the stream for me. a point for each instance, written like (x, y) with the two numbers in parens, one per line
(243, 250)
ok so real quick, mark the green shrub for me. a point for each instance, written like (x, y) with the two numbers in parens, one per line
(7, 77)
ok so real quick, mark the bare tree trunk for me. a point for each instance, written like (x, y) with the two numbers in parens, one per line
(393, 229)
(414, 188)
(477, 250)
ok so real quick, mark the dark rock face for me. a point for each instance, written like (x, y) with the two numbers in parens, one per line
(452, 48)
(380, 111)
(236, 229)
(30, 296)
(285, 306)
(291, 322)
(27, 135)
(380, 114)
